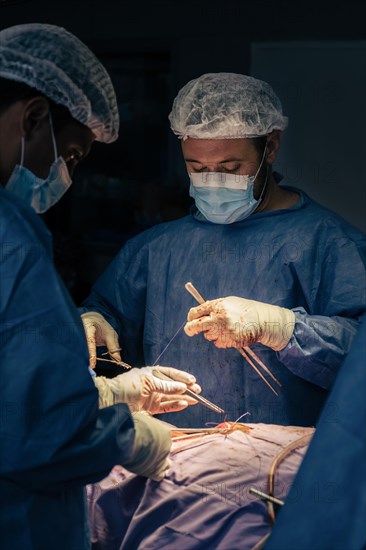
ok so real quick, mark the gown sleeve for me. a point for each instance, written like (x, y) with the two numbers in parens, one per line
(52, 430)
(120, 296)
(329, 489)
(324, 332)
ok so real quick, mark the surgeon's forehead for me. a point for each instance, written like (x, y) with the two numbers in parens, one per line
(217, 150)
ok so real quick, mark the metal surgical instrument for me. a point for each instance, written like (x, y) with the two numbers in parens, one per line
(245, 351)
(189, 392)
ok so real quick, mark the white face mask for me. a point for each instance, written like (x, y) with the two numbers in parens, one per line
(225, 198)
(40, 193)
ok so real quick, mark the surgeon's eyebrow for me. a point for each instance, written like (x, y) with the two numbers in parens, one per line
(219, 162)
(230, 160)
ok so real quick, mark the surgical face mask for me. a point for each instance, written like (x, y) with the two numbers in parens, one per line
(40, 193)
(225, 198)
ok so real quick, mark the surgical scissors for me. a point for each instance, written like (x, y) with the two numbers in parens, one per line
(244, 351)
(115, 361)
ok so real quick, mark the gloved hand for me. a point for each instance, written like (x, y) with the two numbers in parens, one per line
(234, 322)
(141, 390)
(99, 333)
(151, 447)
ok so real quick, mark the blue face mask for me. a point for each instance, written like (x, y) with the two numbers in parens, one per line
(225, 198)
(40, 193)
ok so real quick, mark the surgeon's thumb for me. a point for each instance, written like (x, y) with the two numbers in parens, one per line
(202, 310)
(111, 340)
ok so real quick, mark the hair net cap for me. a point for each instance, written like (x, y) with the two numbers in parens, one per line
(226, 106)
(59, 65)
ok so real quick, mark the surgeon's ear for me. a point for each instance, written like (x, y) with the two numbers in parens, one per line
(35, 116)
(273, 146)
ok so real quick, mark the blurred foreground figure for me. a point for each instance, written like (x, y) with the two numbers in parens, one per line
(55, 100)
(327, 506)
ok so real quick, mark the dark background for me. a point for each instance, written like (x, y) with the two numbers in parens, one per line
(151, 49)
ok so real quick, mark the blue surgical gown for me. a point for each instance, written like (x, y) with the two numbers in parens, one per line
(305, 258)
(54, 440)
(326, 507)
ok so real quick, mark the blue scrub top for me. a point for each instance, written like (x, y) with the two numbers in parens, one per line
(54, 440)
(304, 258)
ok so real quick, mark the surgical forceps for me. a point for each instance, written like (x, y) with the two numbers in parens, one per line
(163, 376)
(189, 392)
(245, 351)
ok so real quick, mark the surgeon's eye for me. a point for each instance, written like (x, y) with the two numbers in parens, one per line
(74, 156)
(72, 159)
(196, 167)
(230, 169)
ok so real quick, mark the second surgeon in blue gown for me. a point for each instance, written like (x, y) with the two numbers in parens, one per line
(54, 438)
(288, 251)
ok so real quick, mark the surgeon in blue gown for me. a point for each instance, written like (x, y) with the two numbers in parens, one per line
(280, 272)
(326, 507)
(54, 439)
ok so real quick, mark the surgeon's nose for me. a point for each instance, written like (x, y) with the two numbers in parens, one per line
(214, 176)
(212, 168)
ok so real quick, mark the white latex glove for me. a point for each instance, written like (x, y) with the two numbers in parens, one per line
(99, 333)
(151, 447)
(234, 322)
(141, 390)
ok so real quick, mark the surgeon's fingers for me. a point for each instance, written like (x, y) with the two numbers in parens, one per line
(111, 341)
(178, 375)
(214, 330)
(199, 325)
(221, 337)
(171, 387)
(196, 388)
(204, 309)
(172, 406)
(225, 343)
(176, 405)
(90, 332)
(190, 400)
